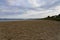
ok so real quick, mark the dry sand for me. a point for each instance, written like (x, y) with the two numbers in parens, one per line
(30, 30)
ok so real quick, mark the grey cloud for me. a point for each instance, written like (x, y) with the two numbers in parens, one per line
(51, 4)
(22, 9)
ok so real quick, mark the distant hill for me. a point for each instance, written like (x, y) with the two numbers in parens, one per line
(55, 17)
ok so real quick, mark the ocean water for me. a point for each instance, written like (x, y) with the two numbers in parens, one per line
(9, 20)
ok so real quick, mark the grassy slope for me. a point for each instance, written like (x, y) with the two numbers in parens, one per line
(30, 30)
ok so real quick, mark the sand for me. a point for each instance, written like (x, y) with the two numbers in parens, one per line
(30, 30)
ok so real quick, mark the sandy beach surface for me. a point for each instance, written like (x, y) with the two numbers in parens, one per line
(30, 30)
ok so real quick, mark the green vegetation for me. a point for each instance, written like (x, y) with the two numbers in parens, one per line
(56, 17)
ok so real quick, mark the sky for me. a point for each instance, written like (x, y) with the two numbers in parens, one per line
(29, 8)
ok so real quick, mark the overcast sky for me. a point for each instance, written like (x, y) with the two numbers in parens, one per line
(29, 8)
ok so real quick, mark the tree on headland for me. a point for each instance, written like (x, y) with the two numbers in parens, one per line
(48, 17)
(59, 15)
(56, 17)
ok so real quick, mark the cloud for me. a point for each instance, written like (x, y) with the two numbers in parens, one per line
(27, 3)
(21, 3)
(29, 8)
(50, 3)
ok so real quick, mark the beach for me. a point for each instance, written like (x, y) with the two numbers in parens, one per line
(30, 30)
